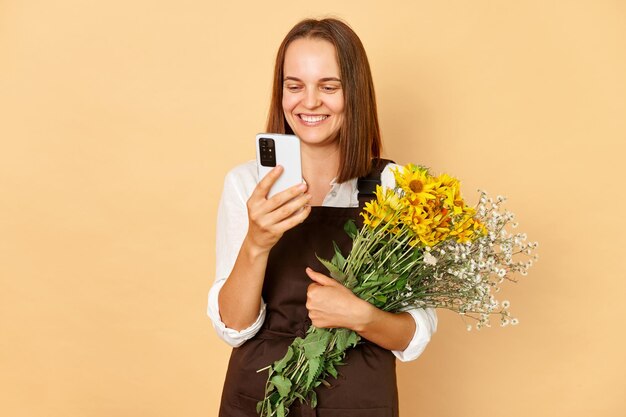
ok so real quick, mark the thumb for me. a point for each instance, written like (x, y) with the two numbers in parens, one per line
(319, 277)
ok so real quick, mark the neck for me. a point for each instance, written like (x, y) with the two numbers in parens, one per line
(320, 164)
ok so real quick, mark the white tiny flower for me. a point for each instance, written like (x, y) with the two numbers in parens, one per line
(429, 259)
(469, 327)
(506, 304)
(514, 321)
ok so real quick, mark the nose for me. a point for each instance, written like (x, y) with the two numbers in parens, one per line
(311, 98)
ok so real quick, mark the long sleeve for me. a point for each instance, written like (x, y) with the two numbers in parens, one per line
(425, 326)
(231, 229)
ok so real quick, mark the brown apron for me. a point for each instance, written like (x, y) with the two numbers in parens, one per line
(366, 386)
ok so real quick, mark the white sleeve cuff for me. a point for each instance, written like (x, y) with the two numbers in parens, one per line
(425, 326)
(231, 336)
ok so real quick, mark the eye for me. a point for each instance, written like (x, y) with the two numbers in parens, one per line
(329, 88)
(293, 88)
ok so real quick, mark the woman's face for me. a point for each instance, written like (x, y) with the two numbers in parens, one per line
(312, 94)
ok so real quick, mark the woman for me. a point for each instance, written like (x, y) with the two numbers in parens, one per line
(270, 286)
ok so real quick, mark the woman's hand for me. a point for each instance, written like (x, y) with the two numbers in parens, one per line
(269, 218)
(330, 304)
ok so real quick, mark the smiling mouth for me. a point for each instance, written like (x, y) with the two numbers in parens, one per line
(312, 119)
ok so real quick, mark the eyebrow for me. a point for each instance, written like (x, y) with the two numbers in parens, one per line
(321, 79)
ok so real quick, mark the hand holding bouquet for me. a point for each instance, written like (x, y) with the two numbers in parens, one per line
(420, 246)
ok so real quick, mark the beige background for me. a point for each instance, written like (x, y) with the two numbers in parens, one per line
(119, 119)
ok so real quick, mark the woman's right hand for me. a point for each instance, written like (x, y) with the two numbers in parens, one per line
(270, 218)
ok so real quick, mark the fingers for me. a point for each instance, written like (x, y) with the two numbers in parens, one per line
(259, 202)
(270, 218)
(285, 196)
(263, 187)
(320, 278)
(293, 221)
(289, 209)
(290, 204)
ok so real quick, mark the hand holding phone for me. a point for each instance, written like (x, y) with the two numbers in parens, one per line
(277, 203)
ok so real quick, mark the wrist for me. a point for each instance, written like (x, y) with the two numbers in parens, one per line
(366, 316)
(253, 250)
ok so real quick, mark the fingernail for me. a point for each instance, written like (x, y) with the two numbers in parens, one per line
(302, 187)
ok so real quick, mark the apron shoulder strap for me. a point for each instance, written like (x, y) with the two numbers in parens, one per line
(367, 184)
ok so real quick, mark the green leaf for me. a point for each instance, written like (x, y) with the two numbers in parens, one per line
(350, 228)
(372, 281)
(315, 343)
(381, 298)
(280, 409)
(401, 282)
(350, 281)
(280, 364)
(393, 259)
(330, 368)
(313, 371)
(282, 384)
(335, 272)
(338, 258)
(342, 339)
(353, 339)
(313, 399)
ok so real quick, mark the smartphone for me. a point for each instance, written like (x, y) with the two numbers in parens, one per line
(277, 149)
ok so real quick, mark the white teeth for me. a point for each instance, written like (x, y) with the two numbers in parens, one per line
(312, 119)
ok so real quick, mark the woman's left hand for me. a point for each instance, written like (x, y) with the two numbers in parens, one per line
(330, 304)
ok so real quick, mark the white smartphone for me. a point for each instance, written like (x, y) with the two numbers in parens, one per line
(276, 149)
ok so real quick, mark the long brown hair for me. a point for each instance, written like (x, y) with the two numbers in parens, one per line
(359, 135)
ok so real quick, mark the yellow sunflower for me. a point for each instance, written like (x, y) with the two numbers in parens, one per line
(385, 209)
(416, 183)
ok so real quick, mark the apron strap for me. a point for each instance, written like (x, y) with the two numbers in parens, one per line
(367, 184)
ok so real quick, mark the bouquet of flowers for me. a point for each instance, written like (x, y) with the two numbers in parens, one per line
(420, 246)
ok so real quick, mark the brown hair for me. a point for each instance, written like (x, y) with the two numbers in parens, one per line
(359, 135)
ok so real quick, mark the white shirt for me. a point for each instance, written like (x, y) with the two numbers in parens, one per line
(232, 226)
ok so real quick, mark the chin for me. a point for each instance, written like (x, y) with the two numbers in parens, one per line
(316, 137)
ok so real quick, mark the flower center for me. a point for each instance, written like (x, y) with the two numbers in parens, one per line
(416, 186)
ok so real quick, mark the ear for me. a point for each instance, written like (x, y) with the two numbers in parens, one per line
(319, 277)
